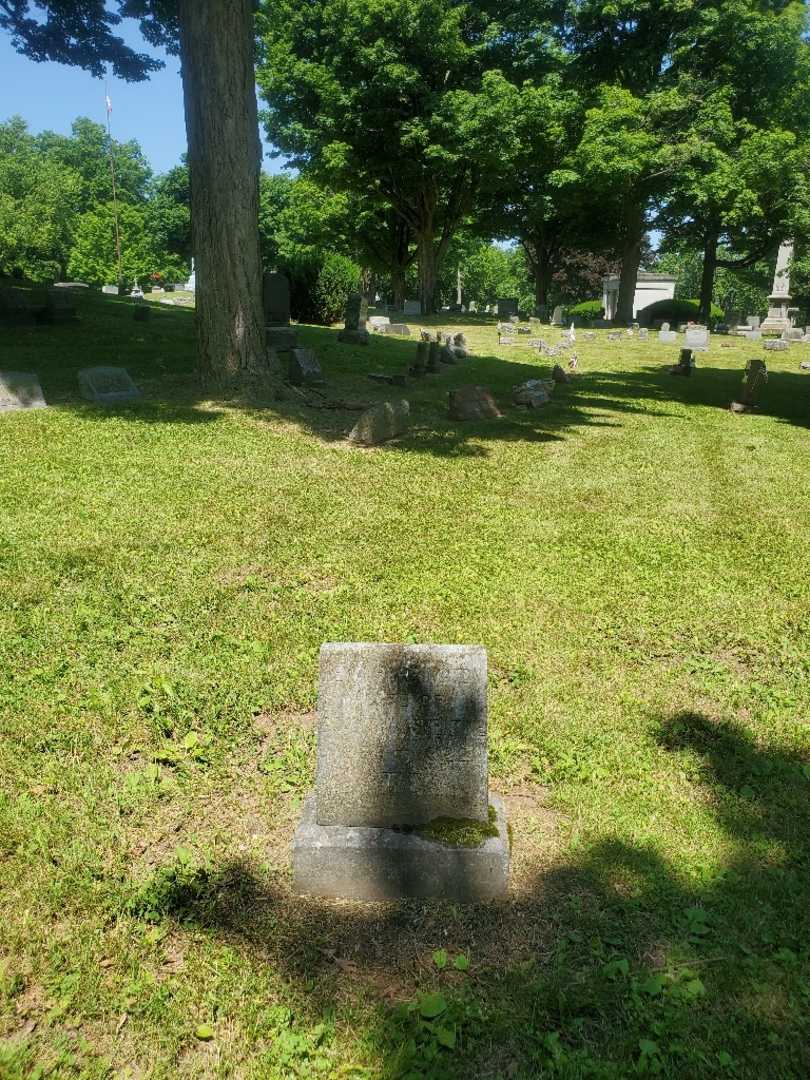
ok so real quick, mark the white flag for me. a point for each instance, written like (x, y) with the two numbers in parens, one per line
(109, 105)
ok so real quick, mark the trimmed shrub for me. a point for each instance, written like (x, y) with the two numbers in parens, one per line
(338, 277)
(318, 294)
(588, 309)
(675, 311)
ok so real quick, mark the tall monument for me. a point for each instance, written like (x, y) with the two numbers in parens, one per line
(779, 318)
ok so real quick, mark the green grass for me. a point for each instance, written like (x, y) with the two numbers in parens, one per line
(635, 559)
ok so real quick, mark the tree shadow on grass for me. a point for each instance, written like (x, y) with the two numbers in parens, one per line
(604, 962)
(160, 356)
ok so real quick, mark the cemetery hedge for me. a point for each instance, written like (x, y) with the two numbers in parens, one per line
(676, 311)
(633, 558)
(587, 309)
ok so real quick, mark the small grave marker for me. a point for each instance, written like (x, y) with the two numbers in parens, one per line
(402, 749)
(20, 390)
(696, 338)
(108, 386)
(303, 368)
(754, 379)
(381, 422)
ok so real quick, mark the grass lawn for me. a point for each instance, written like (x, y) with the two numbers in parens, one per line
(636, 560)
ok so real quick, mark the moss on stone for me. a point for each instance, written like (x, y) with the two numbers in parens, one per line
(460, 832)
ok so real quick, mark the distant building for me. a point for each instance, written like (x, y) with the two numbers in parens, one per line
(649, 288)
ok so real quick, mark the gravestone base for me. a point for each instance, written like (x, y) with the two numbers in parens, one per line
(281, 338)
(354, 337)
(363, 863)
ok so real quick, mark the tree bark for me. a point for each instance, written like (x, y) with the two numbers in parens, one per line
(398, 287)
(224, 153)
(707, 276)
(428, 270)
(631, 258)
(540, 258)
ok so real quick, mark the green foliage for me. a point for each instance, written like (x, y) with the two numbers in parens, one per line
(744, 291)
(87, 151)
(325, 301)
(38, 196)
(93, 255)
(674, 311)
(80, 34)
(169, 213)
(55, 192)
(587, 309)
(393, 99)
(488, 271)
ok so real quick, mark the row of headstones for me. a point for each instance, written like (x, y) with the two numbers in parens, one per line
(754, 378)
(101, 385)
(23, 305)
(390, 419)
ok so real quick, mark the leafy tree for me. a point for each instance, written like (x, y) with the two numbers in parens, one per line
(744, 291)
(579, 275)
(169, 212)
(37, 207)
(93, 258)
(215, 40)
(653, 65)
(392, 98)
(87, 151)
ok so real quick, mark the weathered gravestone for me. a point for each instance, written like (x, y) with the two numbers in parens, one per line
(667, 337)
(507, 306)
(397, 329)
(472, 403)
(776, 345)
(377, 322)
(412, 307)
(381, 422)
(303, 368)
(696, 338)
(533, 393)
(70, 285)
(19, 305)
(401, 806)
(754, 379)
(20, 390)
(685, 365)
(556, 316)
(276, 301)
(59, 306)
(354, 332)
(110, 290)
(643, 334)
(108, 386)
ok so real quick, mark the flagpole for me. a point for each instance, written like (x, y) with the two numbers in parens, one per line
(108, 103)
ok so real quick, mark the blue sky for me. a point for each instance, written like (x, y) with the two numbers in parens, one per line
(51, 96)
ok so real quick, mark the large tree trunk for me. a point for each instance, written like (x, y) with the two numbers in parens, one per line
(539, 258)
(428, 270)
(631, 258)
(216, 51)
(707, 277)
(398, 288)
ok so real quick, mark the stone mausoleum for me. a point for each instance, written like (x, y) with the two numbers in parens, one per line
(649, 288)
